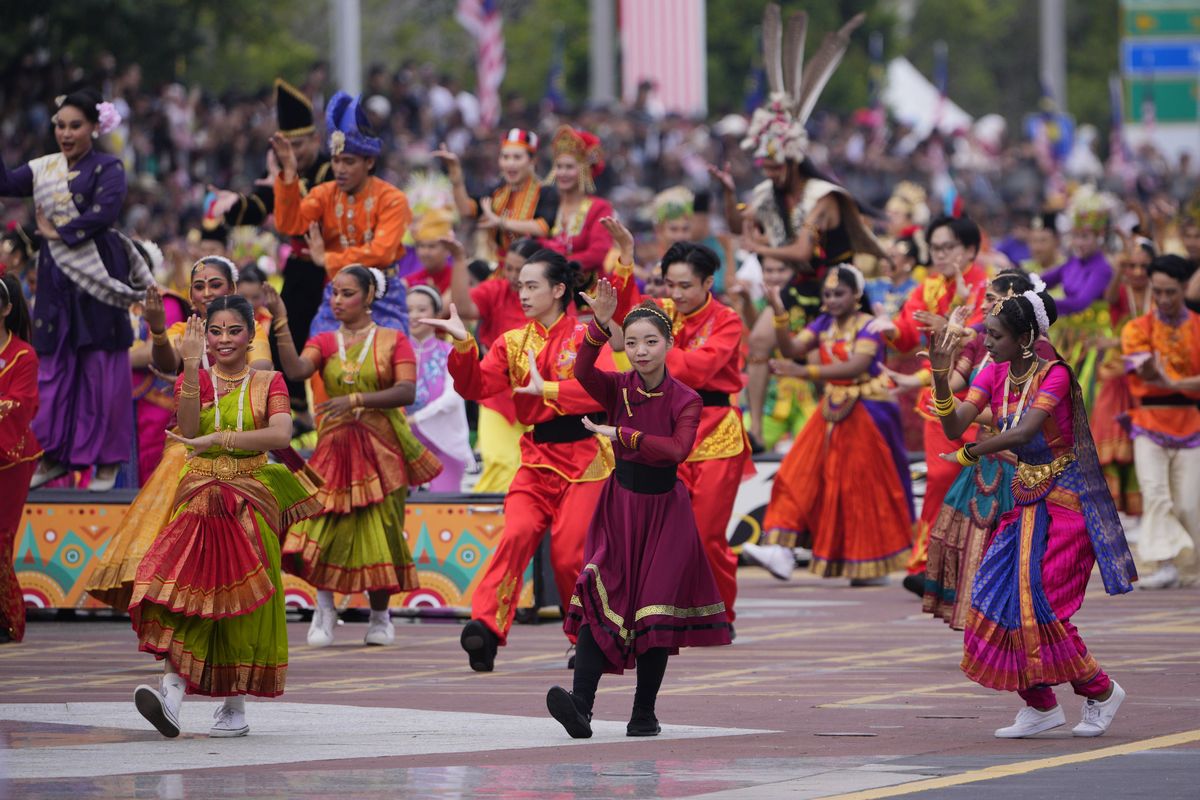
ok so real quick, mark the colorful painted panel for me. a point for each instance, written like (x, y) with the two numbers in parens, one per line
(60, 544)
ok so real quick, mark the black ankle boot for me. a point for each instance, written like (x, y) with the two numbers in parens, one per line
(480, 643)
(915, 583)
(571, 711)
(643, 723)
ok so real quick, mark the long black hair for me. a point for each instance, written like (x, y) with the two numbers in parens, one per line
(17, 319)
(560, 270)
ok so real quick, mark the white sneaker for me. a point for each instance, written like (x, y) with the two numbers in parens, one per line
(774, 558)
(104, 478)
(320, 631)
(380, 631)
(1099, 714)
(1030, 722)
(1165, 577)
(161, 706)
(230, 722)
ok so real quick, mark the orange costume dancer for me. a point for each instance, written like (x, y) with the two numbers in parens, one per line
(354, 219)
(707, 357)
(563, 465)
(955, 280)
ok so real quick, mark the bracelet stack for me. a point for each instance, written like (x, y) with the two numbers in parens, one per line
(279, 324)
(356, 400)
(160, 338)
(944, 407)
(965, 457)
(189, 390)
(783, 320)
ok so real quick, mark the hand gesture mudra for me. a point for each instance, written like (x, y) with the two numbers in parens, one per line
(535, 385)
(944, 345)
(622, 238)
(274, 302)
(604, 430)
(192, 345)
(153, 311)
(316, 244)
(453, 165)
(458, 251)
(775, 299)
(722, 175)
(604, 304)
(453, 325)
(288, 166)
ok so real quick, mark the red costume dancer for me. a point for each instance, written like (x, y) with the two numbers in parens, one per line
(954, 280)
(646, 589)
(519, 207)
(707, 357)
(19, 450)
(577, 232)
(563, 465)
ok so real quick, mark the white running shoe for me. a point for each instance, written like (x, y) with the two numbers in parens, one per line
(1030, 722)
(320, 632)
(1165, 577)
(161, 706)
(774, 558)
(380, 631)
(1099, 714)
(230, 722)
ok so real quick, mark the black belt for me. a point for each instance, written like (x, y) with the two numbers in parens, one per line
(561, 430)
(1170, 400)
(713, 399)
(644, 478)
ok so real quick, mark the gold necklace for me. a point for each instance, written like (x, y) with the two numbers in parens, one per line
(1017, 380)
(232, 378)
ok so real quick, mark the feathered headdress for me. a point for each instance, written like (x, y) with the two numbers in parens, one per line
(349, 129)
(777, 129)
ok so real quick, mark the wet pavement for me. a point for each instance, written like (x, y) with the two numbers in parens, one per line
(828, 691)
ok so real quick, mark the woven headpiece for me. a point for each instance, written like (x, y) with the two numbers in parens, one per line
(347, 125)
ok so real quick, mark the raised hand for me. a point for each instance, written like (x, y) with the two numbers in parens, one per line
(452, 325)
(604, 430)
(316, 244)
(192, 344)
(274, 302)
(930, 322)
(536, 385)
(458, 251)
(488, 218)
(225, 200)
(775, 299)
(153, 311)
(288, 166)
(450, 159)
(722, 176)
(622, 238)
(943, 349)
(604, 304)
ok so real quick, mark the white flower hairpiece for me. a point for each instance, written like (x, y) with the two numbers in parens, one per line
(860, 282)
(110, 118)
(1039, 285)
(1039, 311)
(380, 281)
(234, 275)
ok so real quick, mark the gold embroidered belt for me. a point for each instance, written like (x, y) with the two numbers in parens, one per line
(1032, 475)
(226, 466)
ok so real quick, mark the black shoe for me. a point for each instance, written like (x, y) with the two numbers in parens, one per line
(642, 723)
(570, 711)
(915, 583)
(480, 643)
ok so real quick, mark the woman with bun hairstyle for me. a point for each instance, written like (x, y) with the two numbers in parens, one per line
(707, 356)
(212, 278)
(88, 275)
(1035, 571)
(19, 449)
(563, 464)
(845, 482)
(646, 589)
(208, 596)
(366, 455)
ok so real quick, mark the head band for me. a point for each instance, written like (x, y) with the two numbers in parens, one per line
(647, 311)
(431, 293)
(234, 275)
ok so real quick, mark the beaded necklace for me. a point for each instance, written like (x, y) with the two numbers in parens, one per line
(1010, 386)
(241, 401)
(350, 371)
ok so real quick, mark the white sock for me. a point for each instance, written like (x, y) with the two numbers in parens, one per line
(324, 599)
(380, 616)
(173, 682)
(236, 703)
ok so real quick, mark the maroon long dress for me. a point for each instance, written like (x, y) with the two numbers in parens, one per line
(646, 581)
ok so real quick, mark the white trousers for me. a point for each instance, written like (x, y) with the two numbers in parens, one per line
(1170, 483)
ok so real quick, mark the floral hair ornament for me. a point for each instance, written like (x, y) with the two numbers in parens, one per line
(1039, 311)
(234, 275)
(777, 129)
(380, 281)
(110, 118)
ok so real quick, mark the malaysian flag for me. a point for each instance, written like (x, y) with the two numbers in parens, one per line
(482, 20)
(663, 42)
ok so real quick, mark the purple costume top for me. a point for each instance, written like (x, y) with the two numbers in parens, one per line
(97, 185)
(1083, 282)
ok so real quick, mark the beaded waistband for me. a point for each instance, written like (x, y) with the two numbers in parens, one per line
(226, 466)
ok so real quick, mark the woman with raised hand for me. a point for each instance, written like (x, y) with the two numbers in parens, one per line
(646, 588)
(1035, 571)
(366, 455)
(208, 597)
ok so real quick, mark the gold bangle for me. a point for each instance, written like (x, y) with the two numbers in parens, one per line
(965, 458)
(281, 322)
(783, 319)
(940, 371)
(160, 338)
(190, 358)
(356, 400)
(813, 372)
(188, 395)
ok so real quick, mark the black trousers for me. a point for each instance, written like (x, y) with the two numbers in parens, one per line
(303, 290)
(589, 666)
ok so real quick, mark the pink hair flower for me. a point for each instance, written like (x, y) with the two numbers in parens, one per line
(110, 118)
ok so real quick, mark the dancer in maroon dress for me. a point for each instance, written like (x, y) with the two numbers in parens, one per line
(646, 589)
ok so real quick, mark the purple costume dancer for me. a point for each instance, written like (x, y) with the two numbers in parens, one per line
(88, 274)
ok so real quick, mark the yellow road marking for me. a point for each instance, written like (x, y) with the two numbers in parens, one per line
(1022, 767)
